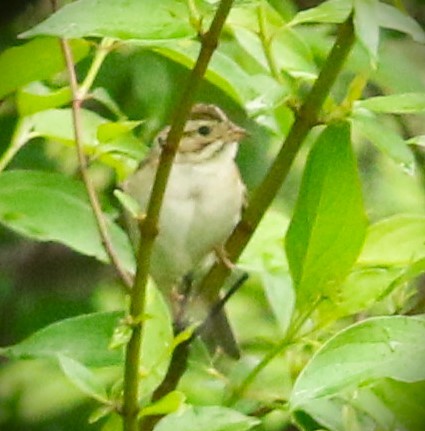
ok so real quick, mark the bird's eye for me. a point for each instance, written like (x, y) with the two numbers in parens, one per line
(204, 130)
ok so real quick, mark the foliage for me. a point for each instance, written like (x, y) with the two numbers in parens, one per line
(333, 338)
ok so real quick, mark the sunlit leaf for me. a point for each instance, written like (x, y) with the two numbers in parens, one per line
(406, 103)
(35, 60)
(57, 124)
(367, 26)
(36, 97)
(392, 17)
(395, 404)
(207, 419)
(397, 240)
(112, 130)
(122, 19)
(157, 341)
(293, 55)
(170, 403)
(373, 349)
(332, 11)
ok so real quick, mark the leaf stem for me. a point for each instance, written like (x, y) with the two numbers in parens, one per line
(266, 43)
(20, 137)
(263, 196)
(101, 52)
(77, 100)
(288, 340)
(148, 227)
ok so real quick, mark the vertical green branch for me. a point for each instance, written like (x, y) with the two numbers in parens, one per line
(148, 227)
(263, 196)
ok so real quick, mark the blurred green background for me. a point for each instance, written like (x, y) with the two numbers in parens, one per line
(42, 282)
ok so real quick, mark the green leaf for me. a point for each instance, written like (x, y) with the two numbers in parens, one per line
(407, 103)
(57, 124)
(391, 17)
(333, 414)
(157, 341)
(122, 19)
(251, 43)
(170, 403)
(223, 71)
(331, 11)
(383, 137)
(84, 339)
(293, 55)
(366, 26)
(35, 60)
(380, 347)
(264, 251)
(361, 289)
(128, 203)
(83, 378)
(396, 405)
(396, 241)
(51, 207)
(207, 419)
(37, 97)
(329, 224)
(112, 130)
(280, 295)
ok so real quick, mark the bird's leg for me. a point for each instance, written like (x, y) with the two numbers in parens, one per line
(221, 255)
(180, 298)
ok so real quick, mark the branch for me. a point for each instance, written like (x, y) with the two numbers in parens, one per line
(77, 100)
(263, 196)
(148, 227)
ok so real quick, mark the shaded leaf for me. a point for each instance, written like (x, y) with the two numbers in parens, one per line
(388, 141)
(222, 71)
(83, 338)
(51, 207)
(83, 378)
(280, 295)
(329, 224)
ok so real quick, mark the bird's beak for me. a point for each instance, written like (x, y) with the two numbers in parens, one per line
(238, 133)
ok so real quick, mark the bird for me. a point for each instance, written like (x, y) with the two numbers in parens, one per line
(202, 203)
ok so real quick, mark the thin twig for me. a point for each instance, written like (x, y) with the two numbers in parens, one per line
(148, 227)
(102, 227)
(219, 305)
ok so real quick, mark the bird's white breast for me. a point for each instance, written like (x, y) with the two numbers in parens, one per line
(202, 204)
